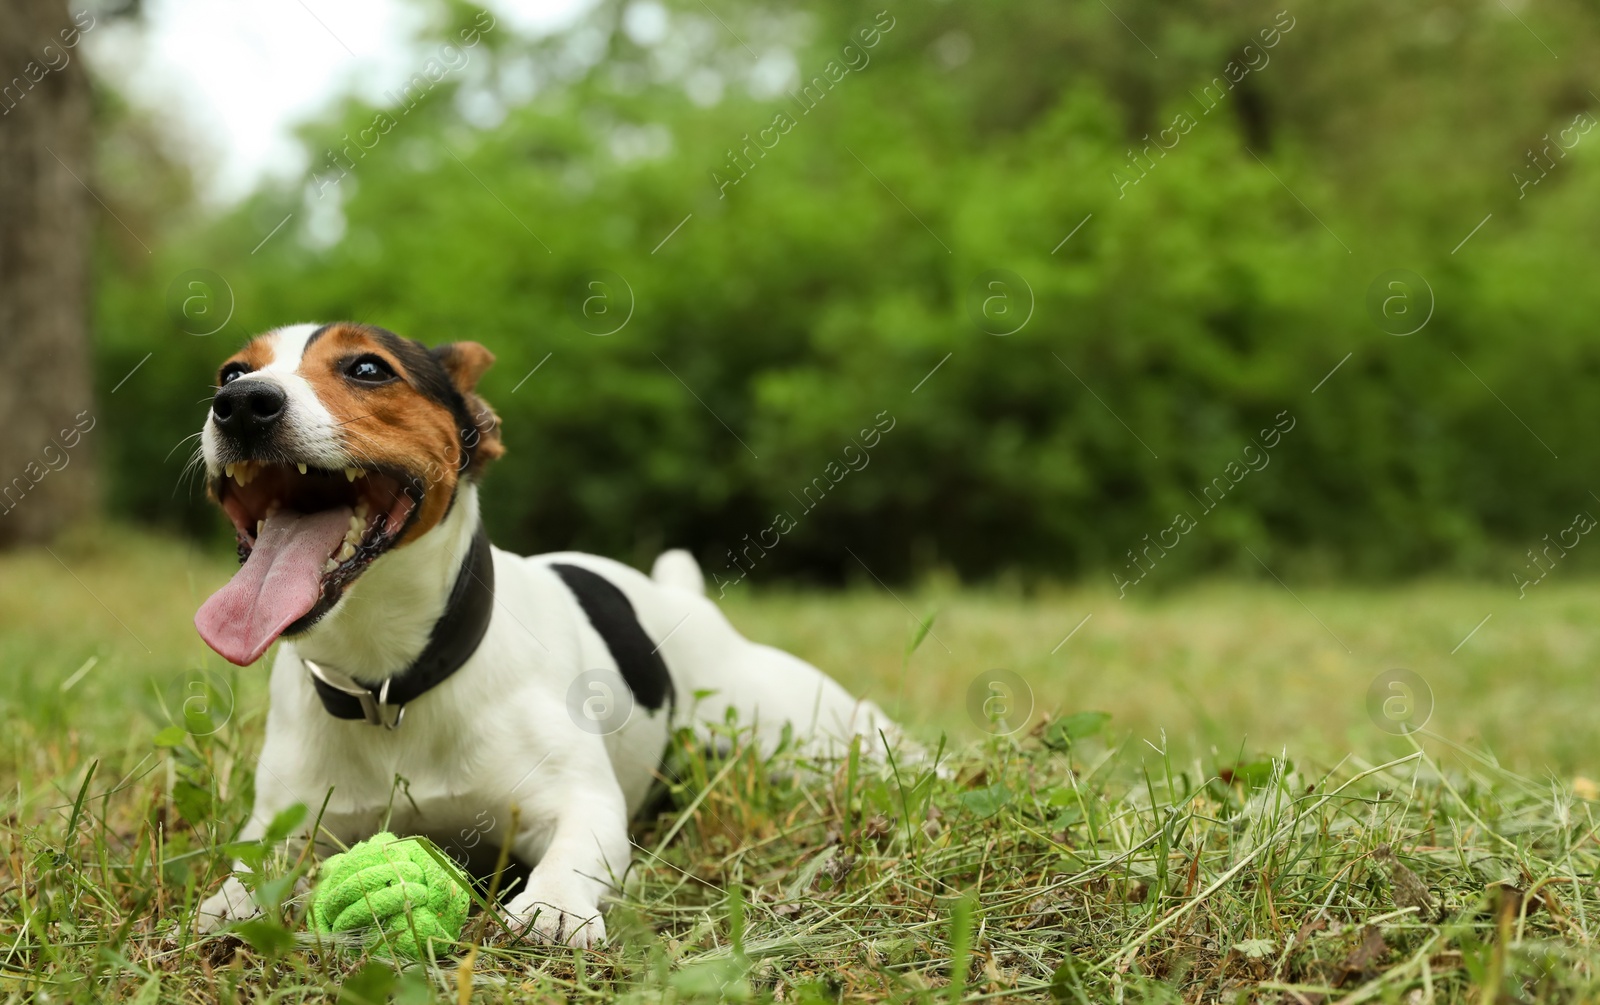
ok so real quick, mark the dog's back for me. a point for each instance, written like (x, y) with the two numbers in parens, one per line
(715, 669)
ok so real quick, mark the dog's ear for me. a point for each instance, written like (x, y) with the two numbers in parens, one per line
(465, 363)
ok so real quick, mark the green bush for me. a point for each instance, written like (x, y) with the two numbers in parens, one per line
(789, 311)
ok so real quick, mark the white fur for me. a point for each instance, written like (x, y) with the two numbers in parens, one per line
(495, 743)
(677, 568)
(313, 431)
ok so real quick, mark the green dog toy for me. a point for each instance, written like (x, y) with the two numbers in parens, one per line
(408, 898)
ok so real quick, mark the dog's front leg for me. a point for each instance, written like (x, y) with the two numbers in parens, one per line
(233, 901)
(577, 832)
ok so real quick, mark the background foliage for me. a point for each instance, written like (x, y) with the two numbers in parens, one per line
(815, 294)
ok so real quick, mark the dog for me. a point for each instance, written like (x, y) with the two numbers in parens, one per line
(488, 687)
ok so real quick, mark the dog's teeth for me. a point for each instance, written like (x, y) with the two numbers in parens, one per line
(227, 469)
(302, 468)
(352, 473)
(356, 523)
(362, 510)
(346, 552)
(238, 476)
(260, 524)
(330, 565)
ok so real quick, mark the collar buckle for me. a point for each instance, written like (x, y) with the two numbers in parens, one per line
(375, 708)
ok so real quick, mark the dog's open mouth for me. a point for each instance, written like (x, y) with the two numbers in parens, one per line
(304, 535)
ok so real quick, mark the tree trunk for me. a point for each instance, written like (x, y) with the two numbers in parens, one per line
(46, 405)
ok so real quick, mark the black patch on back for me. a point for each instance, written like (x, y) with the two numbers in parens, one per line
(613, 617)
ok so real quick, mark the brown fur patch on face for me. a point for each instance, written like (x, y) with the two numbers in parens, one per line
(257, 353)
(406, 424)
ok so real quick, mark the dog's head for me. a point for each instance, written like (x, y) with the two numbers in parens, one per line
(328, 446)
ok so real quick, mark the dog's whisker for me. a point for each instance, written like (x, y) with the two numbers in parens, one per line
(180, 443)
(356, 438)
(191, 470)
(365, 454)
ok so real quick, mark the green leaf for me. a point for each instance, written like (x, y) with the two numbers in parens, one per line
(714, 980)
(172, 736)
(413, 989)
(736, 920)
(150, 993)
(269, 893)
(1255, 948)
(251, 853)
(1258, 773)
(368, 986)
(77, 805)
(1077, 726)
(285, 823)
(268, 938)
(1068, 817)
(961, 912)
(193, 802)
(1066, 986)
(924, 626)
(1080, 725)
(986, 802)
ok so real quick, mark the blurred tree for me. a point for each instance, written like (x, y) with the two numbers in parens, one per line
(45, 475)
(800, 201)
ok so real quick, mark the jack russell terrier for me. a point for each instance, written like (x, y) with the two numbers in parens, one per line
(347, 458)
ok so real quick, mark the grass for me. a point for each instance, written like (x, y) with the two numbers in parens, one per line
(1214, 839)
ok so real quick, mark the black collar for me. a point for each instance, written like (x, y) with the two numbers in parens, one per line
(454, 639)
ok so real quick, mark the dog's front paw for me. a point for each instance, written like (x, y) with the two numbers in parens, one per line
(229, 904)
(551, 913)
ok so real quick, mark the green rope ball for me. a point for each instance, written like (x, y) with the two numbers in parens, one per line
(407, 898)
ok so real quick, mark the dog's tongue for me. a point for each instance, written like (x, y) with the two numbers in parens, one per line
(278, 584)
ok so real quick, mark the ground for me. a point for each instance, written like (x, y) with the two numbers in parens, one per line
(1246, 819)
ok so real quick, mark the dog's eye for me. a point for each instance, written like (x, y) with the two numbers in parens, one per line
(369, 370)
(232, 372)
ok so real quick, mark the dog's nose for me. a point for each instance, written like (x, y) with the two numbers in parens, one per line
(248, 409)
